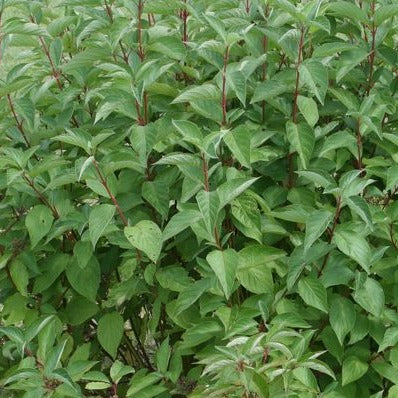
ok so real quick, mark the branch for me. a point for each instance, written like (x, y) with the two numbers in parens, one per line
(111, 196)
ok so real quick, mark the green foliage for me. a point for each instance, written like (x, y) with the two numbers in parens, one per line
(198, 198)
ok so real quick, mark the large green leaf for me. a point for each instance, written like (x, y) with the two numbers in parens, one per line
(38, 223)
(342, 317)
(110, 332)
(99, 219)
(353, 245)
(224, 264)
(313, 293)
(315, 226)
(302, 140)
(353, 369)
(147, 237)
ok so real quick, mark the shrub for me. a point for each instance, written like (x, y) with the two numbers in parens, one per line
(198, 198)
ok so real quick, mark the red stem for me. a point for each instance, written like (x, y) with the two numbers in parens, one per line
(108, 10)
(184, 16)
(372, 51)
(359, 144)
(42, 198)
(53, 68)
(205, 173)
(145, 108)
(19, 124)
(139, 27)
(264, 72)
(111, 196)
(1, 36)
(224, 88)
(248, 6)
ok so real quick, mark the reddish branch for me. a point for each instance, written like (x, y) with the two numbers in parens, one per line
(141, 53)
(41, 196)
(224, 88)
(359, 144)
(54, 70)
(142, 121)
(295, 97)
(205, 173)
(108, 10)
(184, 17)
(248, 6)
(264, 72)
(372, 50)
(17, 121)
(109, 192)
(1, 36)
(332, 231)
(205, 168)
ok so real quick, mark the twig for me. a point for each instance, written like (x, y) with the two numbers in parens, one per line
(109, 192)
(18, 123)
(295, 97)
(373, 50)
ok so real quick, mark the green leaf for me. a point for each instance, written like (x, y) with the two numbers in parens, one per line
(390, 338)
(370, 296)
(348, 99)
(208, 204)
(254, 271)
(231, 189)
(360, 207)
(163, 356)
(385, 12)
(314, 77)
(392, 177)
(206, 92)
(308, 109)
(315, 226)
(353, 369)
(99, 219)
(224, 264)
(328, 49)
(83, 252)
(342, 317)
(268, 90)
(353, 245)
(345, 9)
(110, 332)
(189, 131)
(238, 141)
(180, 221)
(157, 194)
(38, 223)
(85, 280)
(237, 81)
(190, 295)
(348, 61)
(302, 139)
(170, 46)
(79, 310)
(20, 276)
(147, 237)
(313, 293)
(386, 371)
